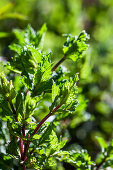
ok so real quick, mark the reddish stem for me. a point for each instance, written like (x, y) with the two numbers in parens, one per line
(57, 64)
(26, 150)
(100, 164)
(13, 109)
(24, 167)
(21, 149)
(44, 119)
(36, 130)
(26, 147)
(21, 142)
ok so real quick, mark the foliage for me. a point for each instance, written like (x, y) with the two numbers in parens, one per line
(93, 115)
(35, 144)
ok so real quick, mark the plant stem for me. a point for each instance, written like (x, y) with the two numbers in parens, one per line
(44, 119)
(21, 142)
(21, 149)
(13, 109)
(26, 147)
(26, 150)
(100, 164)
(36, 130)
(57, 64)
(24, 167)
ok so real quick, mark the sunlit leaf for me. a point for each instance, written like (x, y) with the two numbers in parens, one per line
(75, 46)
(101, 141)
(55, 91)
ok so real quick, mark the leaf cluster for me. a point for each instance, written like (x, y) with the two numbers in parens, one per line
(35, 142)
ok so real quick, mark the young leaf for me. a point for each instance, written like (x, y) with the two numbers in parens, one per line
(42, 75)
(55, 91)
(69, 93)
(75, 46)
(54, 144)
(29, 36)
(6, 88)
(20, 101)
(30, 105)
(79, 159)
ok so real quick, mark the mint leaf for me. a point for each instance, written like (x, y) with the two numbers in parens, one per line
(74, 47)
(55, 91)
(6, 87)
(29, 36)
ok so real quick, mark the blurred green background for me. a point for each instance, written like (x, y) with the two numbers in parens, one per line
(94, 116)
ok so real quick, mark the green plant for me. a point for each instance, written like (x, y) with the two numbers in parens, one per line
(30, 140)
(32, 143)
(80, 127)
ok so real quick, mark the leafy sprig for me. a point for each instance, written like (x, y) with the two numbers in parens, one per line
(36, 142)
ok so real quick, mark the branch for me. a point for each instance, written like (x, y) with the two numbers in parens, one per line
(13, 109)
(21, 142)
(57, 64)
(44, 119)
(100, 164)
(26, 147)
(21, 149)
(35, 131)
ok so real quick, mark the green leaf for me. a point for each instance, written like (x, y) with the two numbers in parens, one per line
(53, 141)
(30, 36)
(40, 34)
(101, 141)
(24, 54)
(6, 88)
(62, 114)
(75, 46)
(36, 136)
(42, 75)
(16, 48)
(46, 133)
(20, 99)
(79, 159)
(27, 56)
(69, 93)
(30, 105)
(55, 91)
(55, 145)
